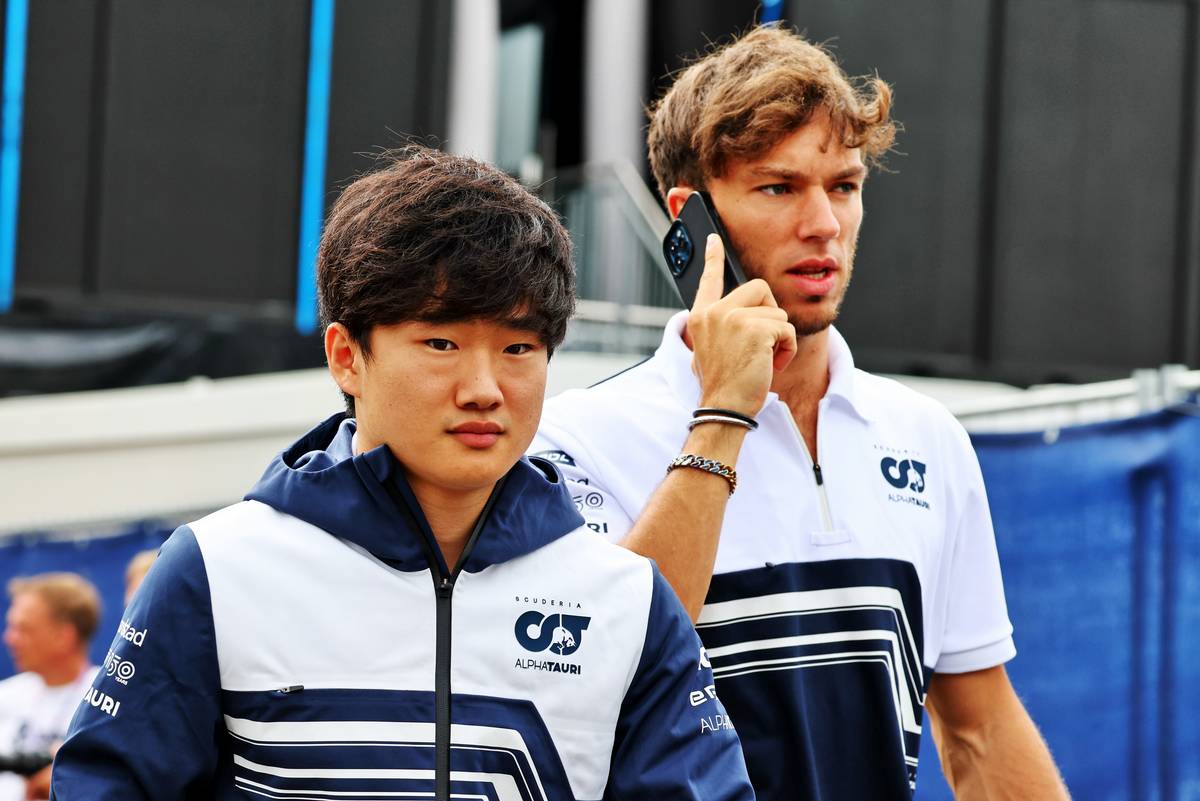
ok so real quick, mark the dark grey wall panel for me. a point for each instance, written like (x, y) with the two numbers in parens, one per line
(1089, 169)
(201, 167)
(389, 78)
(1187, 312)
(56, 145)
(682, 29)
(912, 301)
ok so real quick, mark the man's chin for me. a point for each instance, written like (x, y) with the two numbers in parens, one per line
(807, 325)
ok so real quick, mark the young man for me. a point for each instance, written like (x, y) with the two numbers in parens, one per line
(854, 581)
(403, 607)
(48, 627)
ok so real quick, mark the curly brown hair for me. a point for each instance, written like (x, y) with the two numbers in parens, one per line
(740, 99)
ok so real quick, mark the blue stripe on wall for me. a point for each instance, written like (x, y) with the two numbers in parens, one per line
(316, 134)
(772, 11)
(15, 26)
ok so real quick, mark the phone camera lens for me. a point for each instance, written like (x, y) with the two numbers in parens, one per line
(677, 248)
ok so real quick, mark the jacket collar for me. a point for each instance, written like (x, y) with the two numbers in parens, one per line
(320, 481)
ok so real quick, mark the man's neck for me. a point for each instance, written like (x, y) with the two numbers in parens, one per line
(65, 672)
(451, 514)
(804, 382)
(451, 517)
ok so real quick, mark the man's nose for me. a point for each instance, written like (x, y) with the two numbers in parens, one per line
(817, 220)
(479, 387)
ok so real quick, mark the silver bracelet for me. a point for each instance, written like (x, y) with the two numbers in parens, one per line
(708, 466)
(719, 418)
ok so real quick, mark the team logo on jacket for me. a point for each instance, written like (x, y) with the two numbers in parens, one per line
(905, 474)
(556, 634)
(560, 634)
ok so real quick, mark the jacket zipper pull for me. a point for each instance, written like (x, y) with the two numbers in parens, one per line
(291, 688)
(817, 473)
(445, 586)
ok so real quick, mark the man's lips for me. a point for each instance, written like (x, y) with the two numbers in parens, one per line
(478, 434)
(814, 277)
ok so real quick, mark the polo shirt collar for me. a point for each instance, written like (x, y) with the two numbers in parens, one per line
(843, 380)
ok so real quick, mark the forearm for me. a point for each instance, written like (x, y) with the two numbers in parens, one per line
(1002, 759)
(680, 526)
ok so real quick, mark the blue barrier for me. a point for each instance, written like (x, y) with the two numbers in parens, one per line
(101, 560)
(1099, 536)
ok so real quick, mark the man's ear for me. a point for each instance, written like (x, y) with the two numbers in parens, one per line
(345, 359)
(676, 197)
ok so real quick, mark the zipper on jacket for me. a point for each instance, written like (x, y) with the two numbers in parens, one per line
(822, 495)
(443, 587)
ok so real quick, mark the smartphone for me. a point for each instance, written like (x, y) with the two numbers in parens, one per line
(683, 248)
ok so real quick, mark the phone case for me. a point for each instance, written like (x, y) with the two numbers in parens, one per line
(683, 248)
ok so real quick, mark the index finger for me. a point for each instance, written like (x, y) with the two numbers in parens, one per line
(712, 280)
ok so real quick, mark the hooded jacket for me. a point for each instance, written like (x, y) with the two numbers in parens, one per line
(309, 642)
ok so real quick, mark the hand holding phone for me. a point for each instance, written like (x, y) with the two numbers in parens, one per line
(683, 248)
(738, 340)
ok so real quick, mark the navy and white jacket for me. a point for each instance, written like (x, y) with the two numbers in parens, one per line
(310, 643)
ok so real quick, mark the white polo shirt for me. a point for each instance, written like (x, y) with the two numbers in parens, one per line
(832, 602)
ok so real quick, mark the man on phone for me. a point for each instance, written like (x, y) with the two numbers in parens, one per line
(403, 606)
(854, 583)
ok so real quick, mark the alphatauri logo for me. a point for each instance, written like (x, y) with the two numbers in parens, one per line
(102, 701)
(558, 633)
(905, 474)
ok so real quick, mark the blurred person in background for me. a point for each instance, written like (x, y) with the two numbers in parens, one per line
(852, 582)
(136, 570)
(298, 644)
(50, 621)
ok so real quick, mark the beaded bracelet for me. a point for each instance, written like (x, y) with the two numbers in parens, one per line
(707, 465)
(713, 411)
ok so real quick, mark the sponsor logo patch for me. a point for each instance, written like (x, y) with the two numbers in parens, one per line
(127, 632)
(558, 457)
(588, 500)
(120, 669)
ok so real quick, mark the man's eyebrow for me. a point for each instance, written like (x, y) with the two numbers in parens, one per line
(786, 174)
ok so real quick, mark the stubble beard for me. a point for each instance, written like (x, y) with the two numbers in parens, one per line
(806, 325)
(820, 318)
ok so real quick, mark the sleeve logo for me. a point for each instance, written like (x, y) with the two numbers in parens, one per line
(102, 701)
(127, 632)
(558, 457)
(120, 669)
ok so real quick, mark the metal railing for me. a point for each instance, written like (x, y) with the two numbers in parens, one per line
(617, 225)
(1053, 407)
